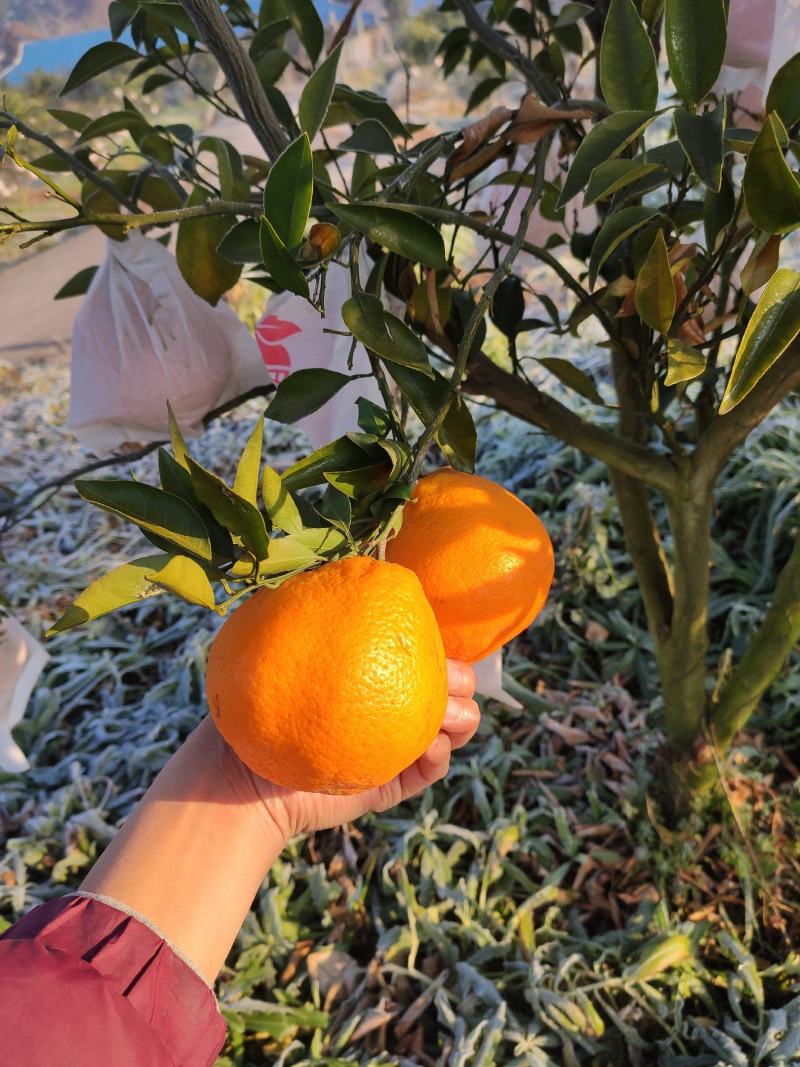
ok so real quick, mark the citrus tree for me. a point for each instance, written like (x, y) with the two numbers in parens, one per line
(615, 110)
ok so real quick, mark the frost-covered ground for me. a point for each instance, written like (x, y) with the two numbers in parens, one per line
(500, 919)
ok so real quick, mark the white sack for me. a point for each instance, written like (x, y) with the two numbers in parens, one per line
(142, 337)
(21, 661)
(291, 337)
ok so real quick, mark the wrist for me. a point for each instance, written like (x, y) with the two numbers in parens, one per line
(222, 774)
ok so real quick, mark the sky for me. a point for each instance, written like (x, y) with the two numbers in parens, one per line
(61, 53)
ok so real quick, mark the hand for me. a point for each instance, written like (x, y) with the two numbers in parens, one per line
(293, 812)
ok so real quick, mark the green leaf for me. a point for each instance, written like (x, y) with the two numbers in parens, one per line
(114, 122)
(351, 105)
(205, 271)
(304, 392)
(372, 418)
(179, 449)
(182, 575)
(126, 584)
(317, 92)
(152, 510)
(398, 230)
(307, 25)
(176, 479)
(280, 506)
(229, 166)
(617, 227)
(341, 454)
(300, 551)
(239, 517)
(77, 284)
(573, 377)
(360, 483)
(784, 92)
(572, 13)
(614, 174)
(771, 190)
(655, 289)
(288, 191)
(696, 35)
(383, 333)
(245, 483)
(457, 436)
(482, 91)
(762, 263)
(718, 211)
(702, 137)
(628, 72)
(279, 262)
(775, 323)
(508, 306)
(241, 244)
(73, 120)
(97, 60)
(683, 362)
(372, 137)
(604, 141)
(268, 36)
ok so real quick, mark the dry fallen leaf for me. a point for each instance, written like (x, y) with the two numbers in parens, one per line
(474, 135)
(533, 120)
(572, 735)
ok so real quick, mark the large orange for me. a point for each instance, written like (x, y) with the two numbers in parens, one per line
(484, 559)
(335, 681)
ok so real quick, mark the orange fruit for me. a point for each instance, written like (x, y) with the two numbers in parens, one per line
(484, 559)
(335, 681)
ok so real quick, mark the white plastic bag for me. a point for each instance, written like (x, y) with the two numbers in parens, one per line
(21, 661)
(142, 337)
(291, 337)
(761, 38)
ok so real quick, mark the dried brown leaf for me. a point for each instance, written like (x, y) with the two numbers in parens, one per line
(571, 735)
(477, 133)
(533, 120)
(477, 161)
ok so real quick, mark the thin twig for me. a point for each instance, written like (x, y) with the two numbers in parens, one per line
(11, 516)
(471, 329)
(344, 26)
(76, 164)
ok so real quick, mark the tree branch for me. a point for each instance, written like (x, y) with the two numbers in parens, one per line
(76, 165)
(524, 400)
(212, 206)
(729, 430)
(758, 668)
(218, 37)
(11, 512)
(492, 233)
(503, 48)
(641, 533)
(479, 312)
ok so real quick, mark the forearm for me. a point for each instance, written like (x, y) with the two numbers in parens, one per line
(192, 855)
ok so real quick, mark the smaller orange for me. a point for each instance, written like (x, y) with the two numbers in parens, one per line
(483, 557)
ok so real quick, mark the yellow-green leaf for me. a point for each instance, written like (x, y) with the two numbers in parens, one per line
(660, 955)
(182, 575)
(278, 502)
(775, 323)
(317, 92)
(771, 190)
(683, 362)
(206, 272)
(126, 584)
(763, 262)
(246, 481)
(655, 288)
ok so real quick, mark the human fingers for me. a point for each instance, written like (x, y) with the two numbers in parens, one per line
(461, 719)
(431, 766)
(460, 678)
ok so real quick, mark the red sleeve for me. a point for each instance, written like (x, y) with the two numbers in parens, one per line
(83, 982)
